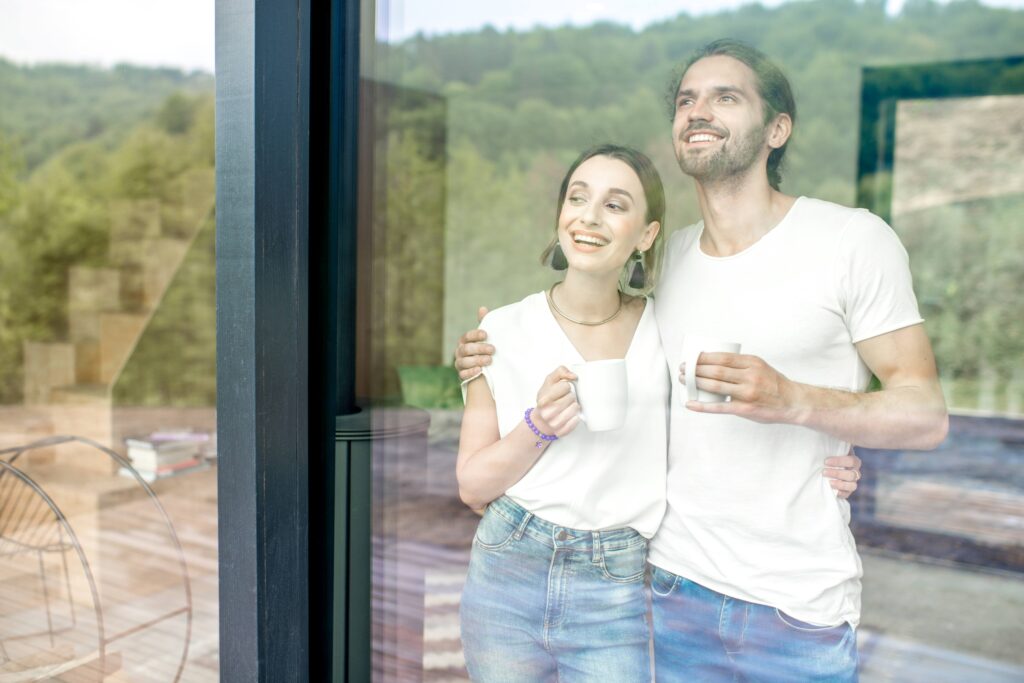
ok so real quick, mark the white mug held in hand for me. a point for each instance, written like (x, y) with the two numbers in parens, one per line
(601, 389)
(693, 346)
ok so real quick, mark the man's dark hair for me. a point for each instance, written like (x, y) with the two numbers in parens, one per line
(772, 86)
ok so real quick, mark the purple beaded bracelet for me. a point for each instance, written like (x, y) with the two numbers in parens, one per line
(533, 428)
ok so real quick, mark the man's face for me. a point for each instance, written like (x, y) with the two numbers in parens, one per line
(718, 130)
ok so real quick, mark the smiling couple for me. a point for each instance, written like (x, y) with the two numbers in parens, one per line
(753, 572)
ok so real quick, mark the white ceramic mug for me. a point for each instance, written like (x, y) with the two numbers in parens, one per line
(601, 389)
(693, 346)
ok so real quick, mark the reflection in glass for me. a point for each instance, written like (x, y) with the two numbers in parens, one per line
(941, 158)
(957, 198)
(108, 510)
(471, 155)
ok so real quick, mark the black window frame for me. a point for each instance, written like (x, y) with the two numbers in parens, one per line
(286, 91)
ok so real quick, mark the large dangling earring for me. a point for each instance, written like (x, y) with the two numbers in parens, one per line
(558, 260)
(638, 276)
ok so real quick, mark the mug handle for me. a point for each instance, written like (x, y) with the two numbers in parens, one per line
(572, 390)
(691, 374)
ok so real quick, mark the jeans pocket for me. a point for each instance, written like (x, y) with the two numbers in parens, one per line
(625, 565)
(663, 582)
(494, 531)
(806, 627)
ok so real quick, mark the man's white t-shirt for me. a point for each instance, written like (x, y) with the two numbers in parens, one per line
(750, 515)
(585, 480)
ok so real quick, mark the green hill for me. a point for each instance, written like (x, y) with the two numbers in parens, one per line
(521, 104)
(518, 106)
(63, 209)
(50, 106)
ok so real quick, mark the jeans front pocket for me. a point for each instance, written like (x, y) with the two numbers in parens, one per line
(663, 582)
(625, 565)
(806, 627)
(494, 531)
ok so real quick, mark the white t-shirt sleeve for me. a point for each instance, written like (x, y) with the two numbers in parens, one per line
(875, 285)
(486, 374)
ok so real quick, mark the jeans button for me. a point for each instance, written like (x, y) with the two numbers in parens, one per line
(562, 535)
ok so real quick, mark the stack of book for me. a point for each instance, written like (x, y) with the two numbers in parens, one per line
(163, 455)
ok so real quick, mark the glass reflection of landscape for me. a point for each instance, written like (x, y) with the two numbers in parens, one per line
(108, 555)
(107, 315)
(939, 532)
(947, 171)
(957, 202)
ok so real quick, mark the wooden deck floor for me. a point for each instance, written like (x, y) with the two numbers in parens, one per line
(421, 550)
(137, 574)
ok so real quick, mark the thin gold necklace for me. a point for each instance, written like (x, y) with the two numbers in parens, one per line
(559, 311)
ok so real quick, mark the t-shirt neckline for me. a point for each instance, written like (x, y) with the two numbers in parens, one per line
(542, 301)
(785, 220)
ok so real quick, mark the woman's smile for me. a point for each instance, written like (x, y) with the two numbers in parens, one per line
(588, 241)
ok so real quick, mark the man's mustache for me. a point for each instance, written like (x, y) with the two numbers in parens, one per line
(704, 126)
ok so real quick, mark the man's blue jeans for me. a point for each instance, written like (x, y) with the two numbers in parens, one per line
(549, 603)
(701, 635)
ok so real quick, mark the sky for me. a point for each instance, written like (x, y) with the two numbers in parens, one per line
(407, 17)
(104, 32)
(180, 33)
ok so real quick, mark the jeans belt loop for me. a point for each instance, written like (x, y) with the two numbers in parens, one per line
(521, 529)
(598, 551)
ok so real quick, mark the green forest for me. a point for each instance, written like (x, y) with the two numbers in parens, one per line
(76, 145)
(517, 107)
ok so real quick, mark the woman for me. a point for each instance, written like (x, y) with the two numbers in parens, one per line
(556, 581)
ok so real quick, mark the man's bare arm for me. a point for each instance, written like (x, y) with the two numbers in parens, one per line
(909, 411)
(472, 353)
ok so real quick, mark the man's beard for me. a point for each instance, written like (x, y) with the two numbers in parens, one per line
(726, 161)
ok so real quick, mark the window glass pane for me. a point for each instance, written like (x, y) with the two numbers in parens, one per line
(108, 494)
(471, 116)
(957, 209)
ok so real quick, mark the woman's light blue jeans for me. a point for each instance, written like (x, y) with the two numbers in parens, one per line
(549, 603)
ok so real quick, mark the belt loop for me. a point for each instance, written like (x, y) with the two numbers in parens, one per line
(521, 529)
(598, 554)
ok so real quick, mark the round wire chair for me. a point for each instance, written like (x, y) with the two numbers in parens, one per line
(32, 525)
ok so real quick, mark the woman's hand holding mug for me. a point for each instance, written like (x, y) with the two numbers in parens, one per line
(557, 410)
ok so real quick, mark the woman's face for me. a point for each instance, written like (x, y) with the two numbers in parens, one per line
(603, 217)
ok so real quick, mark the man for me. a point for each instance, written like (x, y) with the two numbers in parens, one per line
(755, 575)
